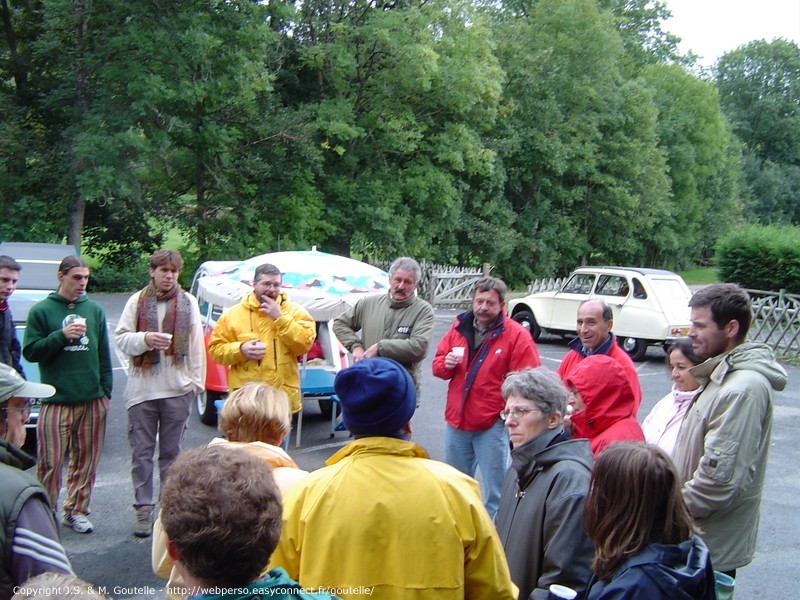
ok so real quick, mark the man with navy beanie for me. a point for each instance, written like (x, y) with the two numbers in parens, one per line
(383, 519)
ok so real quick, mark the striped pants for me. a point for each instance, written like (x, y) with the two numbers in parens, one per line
(78, 430)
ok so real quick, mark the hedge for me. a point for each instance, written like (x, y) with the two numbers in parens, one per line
(761, 257)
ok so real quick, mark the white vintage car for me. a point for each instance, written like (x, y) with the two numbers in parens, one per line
(650, 306)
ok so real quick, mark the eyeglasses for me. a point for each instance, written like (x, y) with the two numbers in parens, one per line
(25, 410)
(516, 413)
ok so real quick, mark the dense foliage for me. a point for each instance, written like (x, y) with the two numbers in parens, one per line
(761, 257)
(759, 87)
(532, 134)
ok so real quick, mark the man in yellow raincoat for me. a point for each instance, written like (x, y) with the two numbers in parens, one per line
(262, 336)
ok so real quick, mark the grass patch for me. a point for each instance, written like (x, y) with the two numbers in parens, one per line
(699, 276)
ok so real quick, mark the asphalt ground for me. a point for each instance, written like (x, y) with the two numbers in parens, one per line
(114, 559)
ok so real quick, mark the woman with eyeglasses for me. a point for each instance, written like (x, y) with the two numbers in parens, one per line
(28, 535)
(539, 519)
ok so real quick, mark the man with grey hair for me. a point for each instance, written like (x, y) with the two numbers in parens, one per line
(539, 519)
(9, 344)
(481, 348)
(398, 325)
(594, 324)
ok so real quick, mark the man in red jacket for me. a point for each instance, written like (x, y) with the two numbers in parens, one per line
(594, 323)
(476, 354)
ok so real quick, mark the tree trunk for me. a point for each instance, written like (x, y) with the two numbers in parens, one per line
(76, 214)
(82, 90)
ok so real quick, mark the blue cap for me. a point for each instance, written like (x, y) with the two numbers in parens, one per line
(378, 396)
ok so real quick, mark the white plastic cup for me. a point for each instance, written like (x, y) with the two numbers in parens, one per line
(168, 336)
(458, 352)
(561, 592)
(79, 321)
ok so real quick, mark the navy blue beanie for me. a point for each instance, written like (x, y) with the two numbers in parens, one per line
(377, 395)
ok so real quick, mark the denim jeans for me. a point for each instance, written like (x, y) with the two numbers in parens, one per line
(488, 450)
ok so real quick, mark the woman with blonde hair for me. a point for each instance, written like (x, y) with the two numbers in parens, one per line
(256, 418)
(645, 541)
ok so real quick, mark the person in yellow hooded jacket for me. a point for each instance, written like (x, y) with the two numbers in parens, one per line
(382, 519)
(261, 337)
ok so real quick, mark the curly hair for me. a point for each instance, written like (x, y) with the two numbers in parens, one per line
(650, 510)
(256, 412)
(221, 509)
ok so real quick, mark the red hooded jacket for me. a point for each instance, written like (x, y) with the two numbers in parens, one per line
(610, 403)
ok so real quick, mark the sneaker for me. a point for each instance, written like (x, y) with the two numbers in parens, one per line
(78, 521)
(144, 522)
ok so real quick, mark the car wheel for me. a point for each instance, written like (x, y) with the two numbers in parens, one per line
(205, 407)
(636, 348)
(528, 321)
(326, 407)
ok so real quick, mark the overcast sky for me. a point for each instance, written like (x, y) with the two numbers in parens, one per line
(712, 27)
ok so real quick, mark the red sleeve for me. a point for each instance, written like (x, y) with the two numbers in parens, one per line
(525, 354)
(450, 339)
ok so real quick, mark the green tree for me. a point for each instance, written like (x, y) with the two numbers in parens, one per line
(402, 96)
(578, 142)
(759, 87)
(703, 168)
(639, 23)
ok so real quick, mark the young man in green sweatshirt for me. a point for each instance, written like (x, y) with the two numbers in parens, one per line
(66, 334)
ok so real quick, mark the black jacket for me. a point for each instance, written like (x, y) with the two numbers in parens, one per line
(539, 519)
(9, 344)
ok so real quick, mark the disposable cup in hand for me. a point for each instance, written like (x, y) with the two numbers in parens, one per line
(168, 337)
(561, 592)
(458, 352)
(79, 321)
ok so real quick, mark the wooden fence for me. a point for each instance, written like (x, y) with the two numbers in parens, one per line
(776, 321)
(545, 285)
(446, 286)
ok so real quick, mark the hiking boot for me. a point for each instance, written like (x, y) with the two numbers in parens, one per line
(144, 522)
(77, 521)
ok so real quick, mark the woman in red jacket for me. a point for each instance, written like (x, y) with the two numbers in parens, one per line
(603, 402)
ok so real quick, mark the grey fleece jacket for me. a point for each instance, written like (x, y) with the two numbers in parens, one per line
(722, 446)
(402, 330)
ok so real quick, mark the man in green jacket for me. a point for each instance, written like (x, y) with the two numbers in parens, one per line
(721, 450)
(397, 325)
(66, 334)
